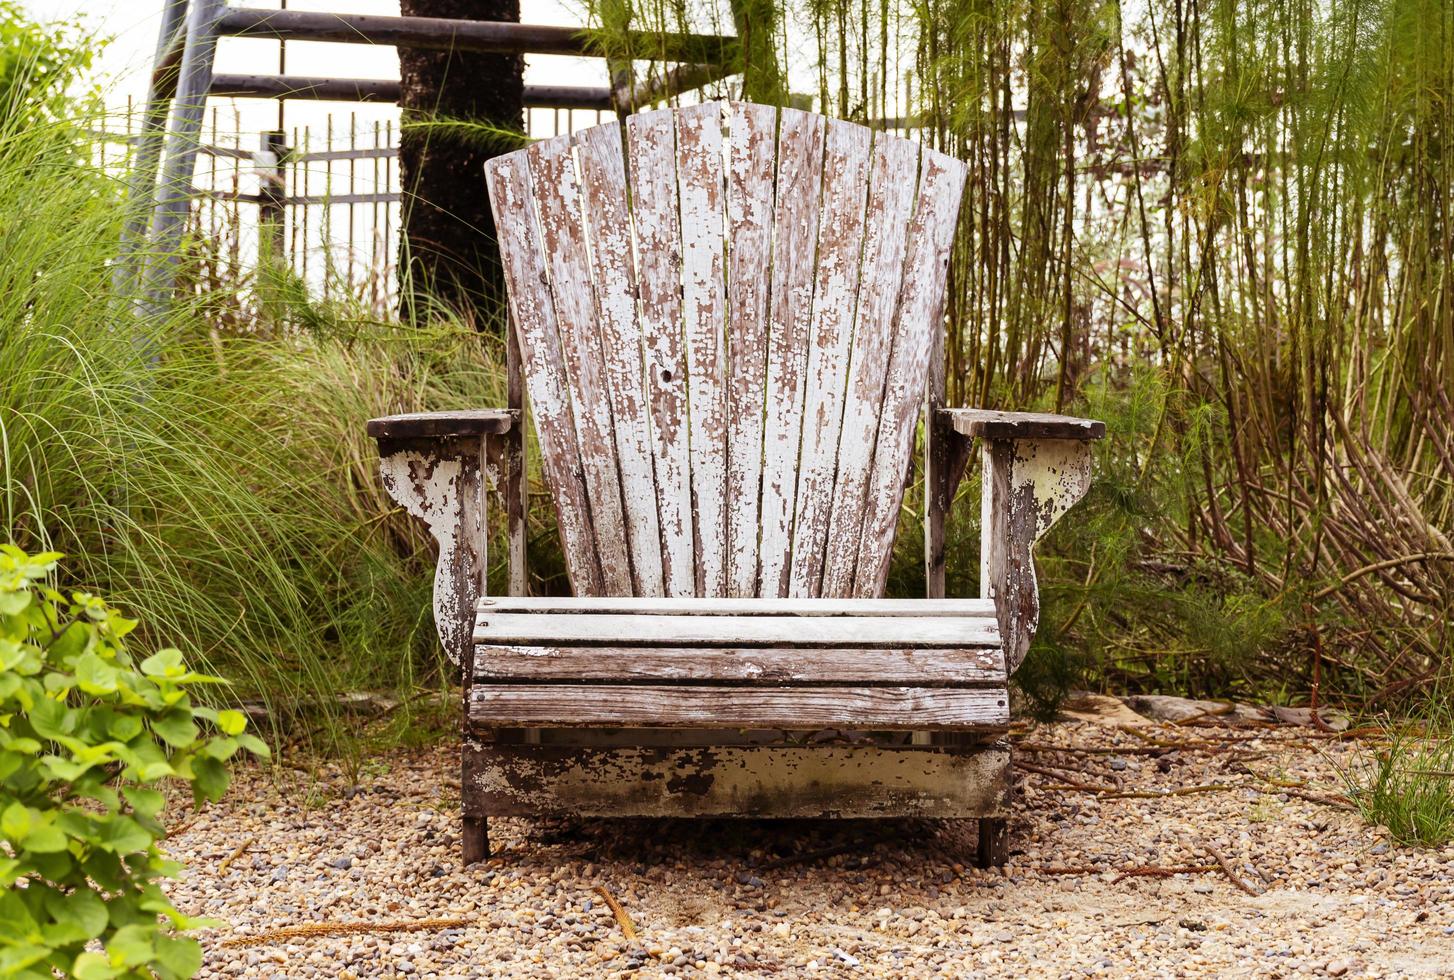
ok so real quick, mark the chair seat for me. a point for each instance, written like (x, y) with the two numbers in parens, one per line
(913, 664)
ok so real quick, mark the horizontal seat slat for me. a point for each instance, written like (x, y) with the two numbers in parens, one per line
(898, 666)
(621, 706)
(983, 608)
(737, 781)
(863, 631)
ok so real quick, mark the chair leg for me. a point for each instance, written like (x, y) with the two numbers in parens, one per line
(475, 840)
(994, 842)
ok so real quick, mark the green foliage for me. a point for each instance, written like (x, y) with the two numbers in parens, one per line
(87, 738)
(1404, 780)
(39, 66)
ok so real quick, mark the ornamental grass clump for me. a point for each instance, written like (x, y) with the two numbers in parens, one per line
(88, 737)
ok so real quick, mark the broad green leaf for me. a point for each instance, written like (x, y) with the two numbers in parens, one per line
(45, 839)
(254, 745)
(94, 675)
(11, 603)
(163, 663)
(176, 728)
(231, 722)
(177, 957)
(83, 907)
(147, 802)
(123, 835)
(93, 966)
(209, 779)
(16, 822)
(131, 945)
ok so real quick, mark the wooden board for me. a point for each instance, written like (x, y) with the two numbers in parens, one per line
(603, 180)
(826, 631)
(556, 192)
(623, 706)
(699, 174)
(829, 337)
(819, 781)
(795, 221)
(920, 311)
(534, 317)
(655, 214)
(738, 607)
(897, 666)
(1022, 425)
(891, 201)
(752, 156)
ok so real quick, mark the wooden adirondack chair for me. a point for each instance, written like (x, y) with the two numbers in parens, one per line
(729, 320)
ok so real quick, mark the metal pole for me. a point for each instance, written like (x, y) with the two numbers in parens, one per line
(141, 189)
(175, 193)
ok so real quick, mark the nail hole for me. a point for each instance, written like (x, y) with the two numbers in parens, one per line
(666, 374)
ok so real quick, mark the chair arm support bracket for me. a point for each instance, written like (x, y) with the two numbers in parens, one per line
(436, 466)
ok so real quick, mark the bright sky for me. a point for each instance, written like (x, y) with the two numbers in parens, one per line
(132, 25)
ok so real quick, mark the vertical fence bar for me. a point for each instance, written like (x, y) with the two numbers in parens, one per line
(272, 152)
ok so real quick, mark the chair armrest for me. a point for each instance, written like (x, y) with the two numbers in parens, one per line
(433, 465)
(1034, 468)
(435, 425)
(986, 424)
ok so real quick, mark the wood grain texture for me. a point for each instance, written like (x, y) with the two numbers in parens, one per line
(819, 781)
(795, 220)
(556, 192)
(829, 340)
(864, 666)
(891, 202)
(988, 424)
(920, 312)
(651, 145)
(824, 631)
(622, 706)
(752, 157)
(534, 316)
(736, 607)
(700, 181)
(603, 180)
(430, 425)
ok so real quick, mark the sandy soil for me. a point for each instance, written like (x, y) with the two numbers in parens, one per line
(1322, 895)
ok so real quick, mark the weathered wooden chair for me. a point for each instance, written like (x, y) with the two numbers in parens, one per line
(729, 320)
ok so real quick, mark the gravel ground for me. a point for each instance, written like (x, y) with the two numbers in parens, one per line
(888, 899)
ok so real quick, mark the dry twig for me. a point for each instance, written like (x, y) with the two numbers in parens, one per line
(313, 930)
(236, 853)
(628, 928)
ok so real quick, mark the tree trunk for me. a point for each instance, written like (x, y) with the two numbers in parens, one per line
(449, 254)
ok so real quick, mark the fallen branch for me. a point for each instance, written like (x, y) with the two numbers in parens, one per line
(1156, 794)
(628, 928)
(236, 853)
(815, 855)
(1229, 870)
(313, 930)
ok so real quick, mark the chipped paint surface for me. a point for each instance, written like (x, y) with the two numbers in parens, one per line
(821, 781)
(443, 490)
(1028, 485)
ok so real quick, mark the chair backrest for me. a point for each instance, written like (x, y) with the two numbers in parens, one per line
(725, 315)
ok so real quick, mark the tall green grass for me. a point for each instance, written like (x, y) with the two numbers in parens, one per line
(1404, 781)
(221, 487)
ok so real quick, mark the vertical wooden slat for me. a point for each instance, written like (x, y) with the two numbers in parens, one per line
(557, 200)
(795, 224)
(891, 203)
(699, 138)
(651, 145)
(921, 311)
(515, 225)
(830, 334)
(752, 155)
(603, 181)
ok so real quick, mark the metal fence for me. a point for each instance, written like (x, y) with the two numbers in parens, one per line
(324, 199)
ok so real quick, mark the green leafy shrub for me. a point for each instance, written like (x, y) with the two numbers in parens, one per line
(87, 737)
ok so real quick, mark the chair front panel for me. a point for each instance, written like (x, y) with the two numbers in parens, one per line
(726, 351)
